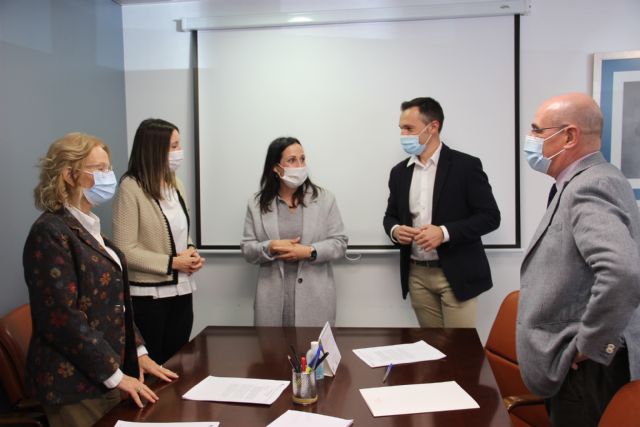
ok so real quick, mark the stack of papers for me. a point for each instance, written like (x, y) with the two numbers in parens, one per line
(417, 398)
(238, 390)
(308, 419)
(418, 351)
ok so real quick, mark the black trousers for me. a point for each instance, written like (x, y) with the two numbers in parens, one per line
(165, 324)
(585, 393)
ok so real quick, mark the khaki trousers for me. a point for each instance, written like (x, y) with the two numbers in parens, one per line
(82, 414)
(434, 302)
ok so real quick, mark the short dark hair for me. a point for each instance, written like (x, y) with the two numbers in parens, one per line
(270, 184)
(428, 107)
(149, 159)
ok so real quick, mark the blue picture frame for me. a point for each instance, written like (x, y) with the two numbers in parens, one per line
(616, 88)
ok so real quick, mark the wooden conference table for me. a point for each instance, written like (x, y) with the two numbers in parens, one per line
(262, 353)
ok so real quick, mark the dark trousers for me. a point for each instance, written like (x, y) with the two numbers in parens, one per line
(585, 393)
(165, 324)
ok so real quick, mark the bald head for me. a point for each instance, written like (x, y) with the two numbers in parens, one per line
(570, 126)
(577, 109)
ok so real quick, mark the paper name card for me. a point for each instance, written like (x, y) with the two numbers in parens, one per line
(329, 345)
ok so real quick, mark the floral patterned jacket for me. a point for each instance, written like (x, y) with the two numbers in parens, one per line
(81, 311)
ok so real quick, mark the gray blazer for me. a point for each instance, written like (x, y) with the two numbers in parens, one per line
(315, 299)
(580, 278)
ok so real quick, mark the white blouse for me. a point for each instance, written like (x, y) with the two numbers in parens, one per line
(92, 224)
(177, 219)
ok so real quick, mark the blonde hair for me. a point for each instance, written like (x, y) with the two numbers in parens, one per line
(52, 192)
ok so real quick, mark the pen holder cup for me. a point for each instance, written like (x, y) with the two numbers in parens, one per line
(305, 391)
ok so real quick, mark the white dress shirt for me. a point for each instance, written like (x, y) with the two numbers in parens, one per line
(421, 201)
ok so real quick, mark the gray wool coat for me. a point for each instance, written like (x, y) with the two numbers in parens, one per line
(315, 297)
(580, 278)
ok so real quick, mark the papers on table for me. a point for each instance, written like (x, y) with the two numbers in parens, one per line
(419, 351)
(329, 346)
(308, 419)
(417, 398)
(240, 390)
(184, 424)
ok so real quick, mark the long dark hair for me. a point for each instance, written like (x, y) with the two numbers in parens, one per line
(270, 182)
(149, 160)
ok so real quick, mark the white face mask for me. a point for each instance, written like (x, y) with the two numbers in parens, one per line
(175, 159)
(294, 177)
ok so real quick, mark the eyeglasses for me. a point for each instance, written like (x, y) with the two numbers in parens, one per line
(538, 131)
(98, 168)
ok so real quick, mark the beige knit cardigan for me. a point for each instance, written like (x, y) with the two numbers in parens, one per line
(142, 232)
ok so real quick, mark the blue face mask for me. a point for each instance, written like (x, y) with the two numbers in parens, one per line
(533, 146)
(411, 143)
(103, 189)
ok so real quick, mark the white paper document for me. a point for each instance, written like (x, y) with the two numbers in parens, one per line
(185, 424)
(239, 390)
(329, 346)
(418, 351)
(308, 419)
(417, 398)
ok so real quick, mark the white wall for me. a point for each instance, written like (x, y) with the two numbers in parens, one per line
(557, 40)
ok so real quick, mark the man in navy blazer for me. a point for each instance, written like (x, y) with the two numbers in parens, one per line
(440, 204)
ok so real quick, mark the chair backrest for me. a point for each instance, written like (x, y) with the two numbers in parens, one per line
(624, 408)
(501, 353)
(15, 334)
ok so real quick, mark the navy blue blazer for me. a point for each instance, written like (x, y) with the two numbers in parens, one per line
(464, 203)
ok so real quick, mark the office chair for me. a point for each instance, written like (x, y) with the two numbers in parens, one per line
(624, 408)
(525, 408)
(15, 333)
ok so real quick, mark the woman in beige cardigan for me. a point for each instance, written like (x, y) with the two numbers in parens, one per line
(151, 226)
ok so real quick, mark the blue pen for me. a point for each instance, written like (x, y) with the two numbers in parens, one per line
(314, 361)
(387, 372)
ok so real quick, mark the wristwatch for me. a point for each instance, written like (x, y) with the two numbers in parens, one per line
(314, 254)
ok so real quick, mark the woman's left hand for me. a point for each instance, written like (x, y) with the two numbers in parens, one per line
(296, 252)
(148, 366)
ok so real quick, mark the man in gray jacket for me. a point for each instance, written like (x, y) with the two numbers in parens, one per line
(577, 332)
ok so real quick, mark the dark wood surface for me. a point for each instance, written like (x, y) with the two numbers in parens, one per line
(261, 353)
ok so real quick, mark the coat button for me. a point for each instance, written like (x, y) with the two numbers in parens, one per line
(299, 279)
(610, 348)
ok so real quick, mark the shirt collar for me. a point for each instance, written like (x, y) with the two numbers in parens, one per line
(90, 222)
(567, 173)
(432, 160)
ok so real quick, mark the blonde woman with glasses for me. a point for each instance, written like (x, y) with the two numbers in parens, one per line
(85, 348)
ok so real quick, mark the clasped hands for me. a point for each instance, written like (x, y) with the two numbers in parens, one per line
(188, 261)
(289, 250)
(137, 389)
(427, 237)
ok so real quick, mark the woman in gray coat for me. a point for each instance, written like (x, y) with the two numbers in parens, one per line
(293, 230)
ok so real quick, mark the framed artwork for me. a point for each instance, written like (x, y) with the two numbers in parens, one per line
(616, 88)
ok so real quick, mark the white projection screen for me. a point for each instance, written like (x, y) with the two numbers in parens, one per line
(338, 89)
